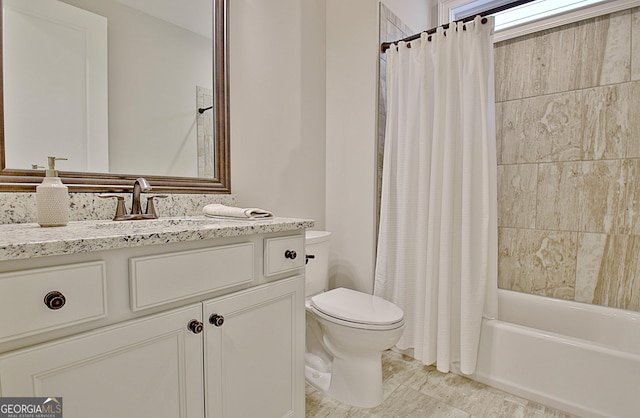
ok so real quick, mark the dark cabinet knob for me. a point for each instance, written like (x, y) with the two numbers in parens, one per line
(54, 300)
(195, 326)
(290, 254)
(216, 320)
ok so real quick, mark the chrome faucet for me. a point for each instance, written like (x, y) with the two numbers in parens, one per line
(141, 185)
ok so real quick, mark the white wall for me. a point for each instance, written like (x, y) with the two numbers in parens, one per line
(277, 90)
(304, 115)
(352, 54)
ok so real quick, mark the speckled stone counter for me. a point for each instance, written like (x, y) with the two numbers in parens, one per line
(28, 240)
(21, 207)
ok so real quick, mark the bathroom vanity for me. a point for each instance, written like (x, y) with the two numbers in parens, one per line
(176, 317)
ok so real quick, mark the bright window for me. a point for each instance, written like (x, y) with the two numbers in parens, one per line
(528, 12)
(533, 16)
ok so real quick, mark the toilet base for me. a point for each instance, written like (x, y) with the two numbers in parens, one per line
(352, 381)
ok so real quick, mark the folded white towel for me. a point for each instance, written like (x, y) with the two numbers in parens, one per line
(223, 211)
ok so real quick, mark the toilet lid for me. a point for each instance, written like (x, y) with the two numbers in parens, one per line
(357, 307)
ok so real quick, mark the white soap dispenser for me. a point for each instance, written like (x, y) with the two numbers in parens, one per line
(52, 198)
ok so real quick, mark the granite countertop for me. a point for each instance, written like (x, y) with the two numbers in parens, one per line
(27, 240)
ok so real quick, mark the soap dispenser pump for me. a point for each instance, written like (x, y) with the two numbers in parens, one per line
(52, 198)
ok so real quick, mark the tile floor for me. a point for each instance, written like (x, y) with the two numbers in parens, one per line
(414, 390)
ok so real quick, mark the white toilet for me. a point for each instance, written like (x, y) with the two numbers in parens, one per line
(347, 331)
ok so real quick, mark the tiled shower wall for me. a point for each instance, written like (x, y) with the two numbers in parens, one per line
(568, 119)
(391, 29)
(568, 125)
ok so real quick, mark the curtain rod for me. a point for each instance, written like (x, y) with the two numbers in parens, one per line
(386, 45)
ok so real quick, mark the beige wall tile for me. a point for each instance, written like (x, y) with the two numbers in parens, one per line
(590, 254)
(537, 262)
(633, 146)
(635, 44)
(558, 197)
(606, 122)
(558, 124)
(516, 69)
(619, 279)
(630, 207)
(602, 198)
(545, 128)
(605, 50)
(560, 58)
(517, 185)
(499, 134)
(517, 144)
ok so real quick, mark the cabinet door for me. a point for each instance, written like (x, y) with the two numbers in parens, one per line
(254, 360)
(149, 367)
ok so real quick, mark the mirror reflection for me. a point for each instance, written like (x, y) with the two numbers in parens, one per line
(113, 85)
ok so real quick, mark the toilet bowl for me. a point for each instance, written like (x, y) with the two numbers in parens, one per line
(347, 331)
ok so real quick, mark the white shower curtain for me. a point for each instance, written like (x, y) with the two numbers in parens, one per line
(437, 243)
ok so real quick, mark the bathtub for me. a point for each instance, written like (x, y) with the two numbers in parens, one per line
(583, 359)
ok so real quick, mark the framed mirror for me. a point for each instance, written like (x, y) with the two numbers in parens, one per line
(15, 177)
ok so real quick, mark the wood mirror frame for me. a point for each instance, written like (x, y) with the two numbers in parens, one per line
(13, 180)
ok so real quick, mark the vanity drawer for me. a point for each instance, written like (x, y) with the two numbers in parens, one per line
(164, 278)
(283, 254)
(81, 298)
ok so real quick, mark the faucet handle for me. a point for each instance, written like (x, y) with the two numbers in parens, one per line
(121, 211)
(151, 207)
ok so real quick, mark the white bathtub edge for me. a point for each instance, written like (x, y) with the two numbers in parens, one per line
(536, 396)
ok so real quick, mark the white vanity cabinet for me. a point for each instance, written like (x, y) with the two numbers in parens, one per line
(252, 352)
(150, 367)
(205, 329)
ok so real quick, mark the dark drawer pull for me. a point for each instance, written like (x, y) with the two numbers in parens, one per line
(54, 300)
(216, 320)
(290, 254)
(195, 326)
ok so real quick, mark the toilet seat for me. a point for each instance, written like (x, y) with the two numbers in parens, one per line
(357, 310)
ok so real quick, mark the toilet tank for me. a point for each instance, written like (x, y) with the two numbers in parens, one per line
(317, 268)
